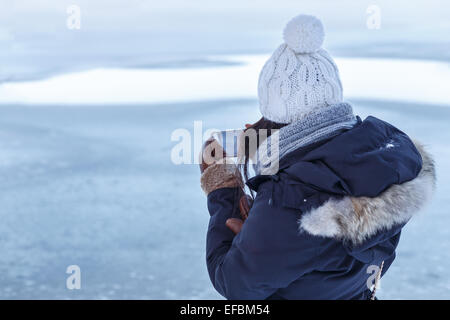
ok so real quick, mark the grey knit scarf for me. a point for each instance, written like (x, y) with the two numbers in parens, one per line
(319, 125)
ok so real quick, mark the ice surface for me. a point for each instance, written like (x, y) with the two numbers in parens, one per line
(95, 187)
(400, 80)
(86, 176)
(35, 40)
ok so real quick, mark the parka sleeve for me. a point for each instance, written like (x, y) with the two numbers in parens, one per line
(268, 254)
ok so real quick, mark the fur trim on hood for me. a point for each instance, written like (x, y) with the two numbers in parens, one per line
(355, 219)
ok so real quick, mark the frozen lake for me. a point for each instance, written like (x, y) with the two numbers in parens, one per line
(92, 184)
(225, 77)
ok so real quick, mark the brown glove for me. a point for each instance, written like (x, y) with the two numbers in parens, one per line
(236, 224)
(216, 171)
(208, 155)
(212, 157)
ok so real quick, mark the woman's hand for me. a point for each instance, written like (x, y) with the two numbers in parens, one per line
(213, 153)
(208, 155)
(217, 171)
(236, 224)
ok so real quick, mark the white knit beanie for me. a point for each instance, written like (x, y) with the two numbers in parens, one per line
(300, 77)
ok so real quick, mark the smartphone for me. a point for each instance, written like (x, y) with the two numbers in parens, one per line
(229, 140)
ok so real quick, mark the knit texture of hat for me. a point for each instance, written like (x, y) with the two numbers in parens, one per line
(300, 77)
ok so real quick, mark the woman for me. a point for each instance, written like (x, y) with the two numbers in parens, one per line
(330, 218)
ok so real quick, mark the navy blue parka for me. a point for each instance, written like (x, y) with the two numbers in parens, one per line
(334, 209)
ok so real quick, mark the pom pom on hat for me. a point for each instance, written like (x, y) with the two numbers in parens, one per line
(304, 34)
